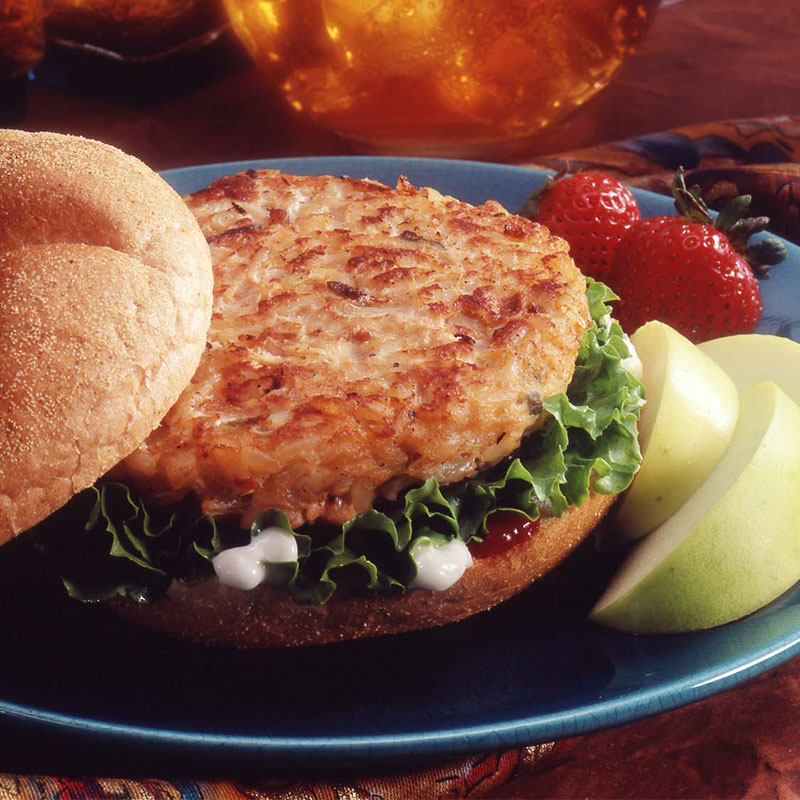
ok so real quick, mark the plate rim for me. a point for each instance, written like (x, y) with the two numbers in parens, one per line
(446, 742)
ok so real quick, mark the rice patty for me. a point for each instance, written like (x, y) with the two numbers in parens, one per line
(363, 339)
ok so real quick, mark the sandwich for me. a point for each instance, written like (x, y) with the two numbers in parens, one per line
(407, 409)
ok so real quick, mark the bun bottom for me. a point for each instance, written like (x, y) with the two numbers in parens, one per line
(212, 613)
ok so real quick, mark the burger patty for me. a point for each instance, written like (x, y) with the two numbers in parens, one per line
(363, 339)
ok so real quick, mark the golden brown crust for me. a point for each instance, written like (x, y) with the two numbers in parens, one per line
(105, 285)
(212, 613)
(364, 338)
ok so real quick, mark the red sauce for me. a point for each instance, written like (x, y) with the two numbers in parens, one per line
(505, 530)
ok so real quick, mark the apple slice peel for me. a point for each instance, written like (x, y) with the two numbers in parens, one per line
(734, 546)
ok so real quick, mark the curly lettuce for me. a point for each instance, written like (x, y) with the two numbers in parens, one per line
(590, 441)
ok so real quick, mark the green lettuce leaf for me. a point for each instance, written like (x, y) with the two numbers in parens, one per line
(117, 547)
(589, 442)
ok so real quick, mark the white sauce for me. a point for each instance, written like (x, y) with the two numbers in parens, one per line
(632, 363)
(438, 568)
(253, 564)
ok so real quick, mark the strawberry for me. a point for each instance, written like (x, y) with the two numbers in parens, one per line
(692, 273)
(591, 211)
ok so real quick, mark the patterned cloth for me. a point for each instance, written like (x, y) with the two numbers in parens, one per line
(758, 157)
(470, 777)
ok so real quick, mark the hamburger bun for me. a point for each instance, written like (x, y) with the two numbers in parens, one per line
(366, 340)
(211, 613)
(106, 286)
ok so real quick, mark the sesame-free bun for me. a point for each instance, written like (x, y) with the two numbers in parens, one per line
(106, 288)
(212, 613)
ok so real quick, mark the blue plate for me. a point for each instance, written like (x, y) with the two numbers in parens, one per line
(532, 670)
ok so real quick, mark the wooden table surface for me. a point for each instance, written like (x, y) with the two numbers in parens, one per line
(704, 60)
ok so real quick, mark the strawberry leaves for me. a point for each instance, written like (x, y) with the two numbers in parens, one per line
(692, 271)
(733, 221)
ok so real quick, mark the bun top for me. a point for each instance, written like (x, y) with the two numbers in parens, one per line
(106, 287)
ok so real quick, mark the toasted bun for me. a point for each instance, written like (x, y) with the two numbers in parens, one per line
(209, 612)
(106, 288)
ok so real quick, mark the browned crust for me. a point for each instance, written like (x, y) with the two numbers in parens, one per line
(363, 339)
(211, 613)
(106, 288)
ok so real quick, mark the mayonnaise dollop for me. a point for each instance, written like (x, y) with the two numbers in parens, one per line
(439, 566)
(258, 562)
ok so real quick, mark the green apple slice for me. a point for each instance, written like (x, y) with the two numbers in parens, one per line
(753, 357)
(687, 422)
(733, 546)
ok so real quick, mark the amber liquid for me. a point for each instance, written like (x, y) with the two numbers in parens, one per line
(439, 75)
